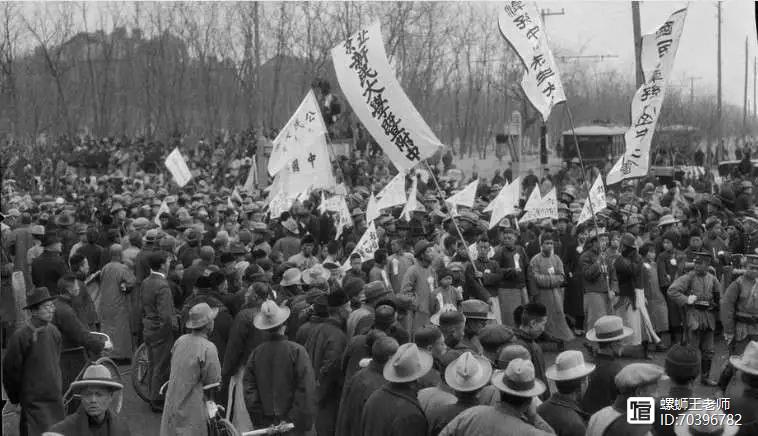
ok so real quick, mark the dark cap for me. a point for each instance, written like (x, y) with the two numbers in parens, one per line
(337, 299)
(493, 336)
(682, 361)
(353, 287)
(384, 317)
(451, 318)
(426, 336)
(383, 348)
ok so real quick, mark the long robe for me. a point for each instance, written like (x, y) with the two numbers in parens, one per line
(115, 307)
(194, 366)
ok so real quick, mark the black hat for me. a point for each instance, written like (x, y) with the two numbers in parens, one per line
(337, 299)
(50, 239)
(384, 317)
(205, 281)
(683, 361)
(37, 297)
(451, 318)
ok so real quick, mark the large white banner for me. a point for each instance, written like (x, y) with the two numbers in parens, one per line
(647, 101)
(309, 170)
(303, 128)
(539, 207)
(521, 25)
(178, 167)
(596, 198)
(370, 86)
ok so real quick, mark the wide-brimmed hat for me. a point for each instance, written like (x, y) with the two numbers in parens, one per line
(666, 220)
(518, 379)
(407, 364)
(316, 274)
(476, 309)
(628, 240)
(96, 376)
(468, 372)
(705, 422)
(569, 365)
(608, 328)
(748, 362)
(291, 277)
(270, 316)
(50, 239)
(376, 290)
(38, 296)
(200, 315)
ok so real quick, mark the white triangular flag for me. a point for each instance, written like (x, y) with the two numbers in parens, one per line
(466, 196)
(163, 208)
(503, 191)
(596, 198)
(506, 202)
(545, 207)
(343, 216)
(412, 202)
(372, 212)
(392, 194)
(303, 128)
(366, 246)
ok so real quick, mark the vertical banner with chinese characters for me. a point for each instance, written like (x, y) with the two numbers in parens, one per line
(366, 246)
(309, 169)
(521, 25)
(647, 101)
(305, 127)
(178, 167)
(370, 86)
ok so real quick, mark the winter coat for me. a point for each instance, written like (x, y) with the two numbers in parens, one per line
(393, 410)
(47, 269)
(564, 415)
(78, 424)
(357, 391)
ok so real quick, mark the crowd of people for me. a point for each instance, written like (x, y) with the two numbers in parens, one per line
(442, 332)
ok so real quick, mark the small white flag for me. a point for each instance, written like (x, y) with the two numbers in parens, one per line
(466, 196)
(366, 246)
(178, 167)
(343, 216)
(372, 212)
(506, 202)
(162, 209)
(538, 208)
(596, 198)
(412, 203)
(392, 194)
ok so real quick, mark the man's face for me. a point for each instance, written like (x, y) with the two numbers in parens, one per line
(482, 250)
(536, 327)
(96, 400)
(355, 264)
(45, 311)
(696, 242)
(439, 347)
(82, 237)
(602, 242)
(509, 239)
(428, 255)
(562, 226)
(667, 245)
(453, 334)
(73, 289)
(395, 246)
(307, 250)
(446, 281)
(701, 266)
(547, 247)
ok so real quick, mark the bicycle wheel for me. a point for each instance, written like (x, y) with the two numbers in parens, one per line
(141, 372)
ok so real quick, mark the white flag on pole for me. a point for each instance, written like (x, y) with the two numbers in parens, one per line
(466, 196)
(541, 208)
(162, 209)
(648, 100)
(521, 25)
(279, 203)
(503, 191)
(307, 171)
(372, 211)
(375, 95)
(251, 181)
(597, 198)
(412, 203)
(178, 167)
(506, 202)
(366, 246)
(392, 194)
(304, 127)
(344, 219)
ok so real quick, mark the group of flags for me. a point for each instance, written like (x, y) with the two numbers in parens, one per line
(300, 161)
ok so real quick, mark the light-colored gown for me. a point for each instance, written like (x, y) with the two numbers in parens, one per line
(115, 307)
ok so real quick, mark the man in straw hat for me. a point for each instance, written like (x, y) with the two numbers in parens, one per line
(466, 376)
(514, 416)
(31, 367)
(739, 314)
(99, 394)
(195, 375)
(279, 381)
(394, 409)
(747, 404)
(634, 380)
(698, 293)
(608, 333)
(562, 409)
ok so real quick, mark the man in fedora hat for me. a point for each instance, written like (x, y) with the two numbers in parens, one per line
(634, 380)
(49, 267)
(326, 345)
(747, 404)
(99, 395)
(279, 381)
(31, 367)
(698, 293)
(360, 320)
(514, 416)
(360, 386)
(739, 314)
(682, 366)
(608, 333)
(394, 409)
(195, 376)
(466, 376)
(562, 410)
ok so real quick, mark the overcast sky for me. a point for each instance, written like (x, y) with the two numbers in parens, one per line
(606, 28)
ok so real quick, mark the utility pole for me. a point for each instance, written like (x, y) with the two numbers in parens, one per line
(718, 80)
(744, 104)
(638, 74)
(755, 73)
(692, 89)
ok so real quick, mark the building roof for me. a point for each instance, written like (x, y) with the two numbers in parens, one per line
(598, 130)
